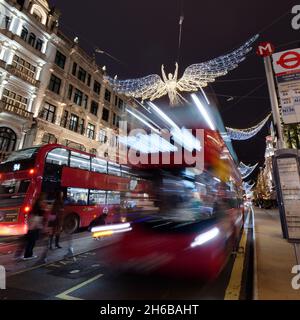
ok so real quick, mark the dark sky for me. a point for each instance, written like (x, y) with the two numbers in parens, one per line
(144, 35)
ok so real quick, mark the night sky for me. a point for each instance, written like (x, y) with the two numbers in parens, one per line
(144, 34)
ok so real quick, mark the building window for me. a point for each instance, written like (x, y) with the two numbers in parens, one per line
(116, 100)
(32, 39)
(74, 145)
(23, 66)
(13, 99)
(70, 92)
(39, 44)
(8, 139)
(90, 131)
(49, 138)
(114, 141)
(105, 114)
(24, 34)
(74, 69)
(85, 101)
(97, 87)
(94, 107)
(118, 122)
(121, 104)
(81, 126)
(60, 59)
(114, 119)
(64, 119)
(107, 95)
(74, 123)
(78, 96)
(89, 80)
(81, 74)
(37, 15)
(55, 84)
(7, 22)
(102, 136)
(48, 112)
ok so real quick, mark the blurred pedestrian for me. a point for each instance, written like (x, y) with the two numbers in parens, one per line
(56, 224)
(35, 224)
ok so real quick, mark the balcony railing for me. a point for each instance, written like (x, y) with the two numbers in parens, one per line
(22, 75)
(6, 107)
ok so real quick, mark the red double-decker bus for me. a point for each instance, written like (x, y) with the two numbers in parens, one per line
(91, 186)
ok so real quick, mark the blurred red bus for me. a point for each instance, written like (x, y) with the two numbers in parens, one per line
(198, 221)
(91, 186)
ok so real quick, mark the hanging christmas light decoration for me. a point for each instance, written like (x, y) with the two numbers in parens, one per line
(194, 77)
(245, 134)
(248, 187)
(246, 170)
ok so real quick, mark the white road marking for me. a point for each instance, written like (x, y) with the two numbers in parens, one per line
(74, 271)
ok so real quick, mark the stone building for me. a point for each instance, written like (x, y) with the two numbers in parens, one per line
(51, 90)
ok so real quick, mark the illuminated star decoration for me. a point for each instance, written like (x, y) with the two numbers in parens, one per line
(245, 134)
(194, 77)
(246, 170)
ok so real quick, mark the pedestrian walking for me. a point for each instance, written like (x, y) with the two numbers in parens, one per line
(56, 224)
(35, 224)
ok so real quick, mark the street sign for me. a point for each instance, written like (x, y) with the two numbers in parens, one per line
(286, 65)
(287, 179)
(265, 49)
(286, 62)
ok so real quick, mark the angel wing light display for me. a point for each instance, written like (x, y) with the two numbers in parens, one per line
(194, 77)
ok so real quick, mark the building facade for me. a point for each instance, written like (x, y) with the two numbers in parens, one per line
(51, 90)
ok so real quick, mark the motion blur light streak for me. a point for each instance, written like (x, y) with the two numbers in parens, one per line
(111, 227)
(181, 136)
(203, 111)
(142, 120)
(163, 115)
(152, 143)
(205, 96)
(109, 230)
(185, 138)
(205, 237)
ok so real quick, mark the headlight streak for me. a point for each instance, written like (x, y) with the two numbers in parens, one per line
(205, 237)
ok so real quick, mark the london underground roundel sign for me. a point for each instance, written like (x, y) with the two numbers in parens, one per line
(286, 61)
(289, 60)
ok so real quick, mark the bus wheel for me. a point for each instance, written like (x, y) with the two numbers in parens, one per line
(71, 224)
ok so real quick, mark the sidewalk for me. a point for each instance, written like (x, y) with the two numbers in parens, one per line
(275, 258)
(81, 243)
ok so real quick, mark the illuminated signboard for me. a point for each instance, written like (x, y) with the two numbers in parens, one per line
(287, 177)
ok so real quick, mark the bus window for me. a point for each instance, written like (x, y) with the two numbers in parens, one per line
(97, 197)
(114, 169)
(125, 171)
(113, 197)
(99, 165)
(80, 161)
(77, 196)
(58, 156)
(12, 192)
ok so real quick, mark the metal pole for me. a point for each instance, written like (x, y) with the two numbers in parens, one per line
(274, 101)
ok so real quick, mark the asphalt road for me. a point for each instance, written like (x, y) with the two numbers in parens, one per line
(90, 277)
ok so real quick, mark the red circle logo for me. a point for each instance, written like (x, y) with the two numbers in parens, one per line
(289, 60)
